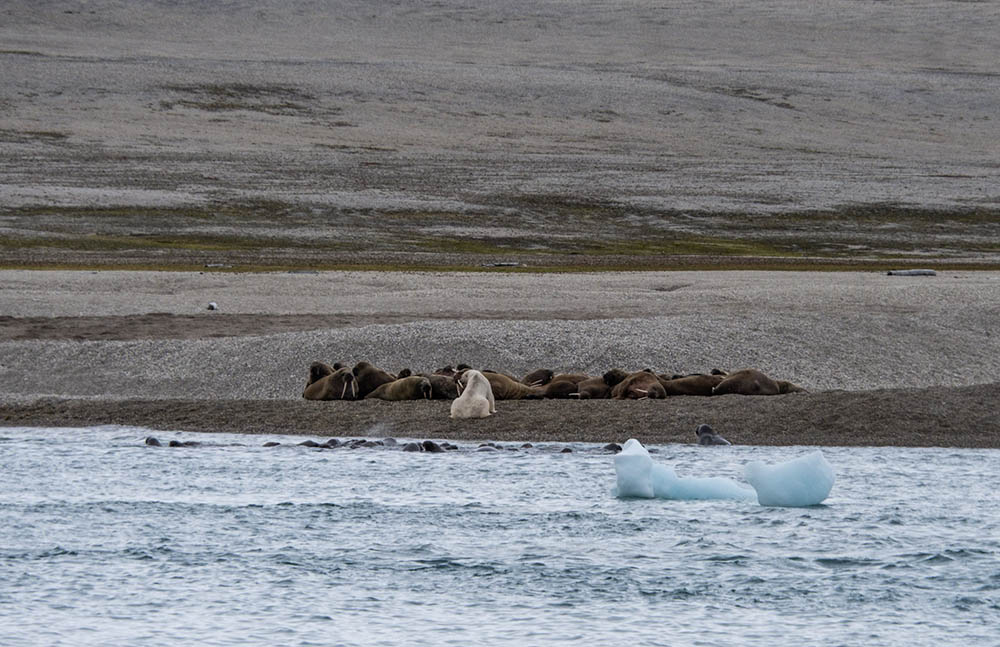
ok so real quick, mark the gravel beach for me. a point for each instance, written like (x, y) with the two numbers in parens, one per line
(888, 360)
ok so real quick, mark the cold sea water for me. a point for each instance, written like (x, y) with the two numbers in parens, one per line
(107, 541)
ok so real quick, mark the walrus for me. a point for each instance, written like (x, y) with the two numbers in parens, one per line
(750, 381)
(696, 384)
(507, 388)
(412, 387)
(565, 385)
(370, 378)
(638, 385)
(451, 371)
(599, 388)
(560, 389)
(336, 385)
(443, 387)
(319, 370)
(476, 399)
(538, 377)
(707, 436)
(575, 378)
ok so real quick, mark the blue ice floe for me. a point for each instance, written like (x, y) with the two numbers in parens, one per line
(803, 481)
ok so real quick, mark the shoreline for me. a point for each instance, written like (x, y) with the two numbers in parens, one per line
(900, 361)
(960, 417)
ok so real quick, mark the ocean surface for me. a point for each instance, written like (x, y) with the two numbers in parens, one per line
(107, 541)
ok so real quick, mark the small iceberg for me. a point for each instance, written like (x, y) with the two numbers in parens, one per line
(667, 485)
(803, 481)
(639, 477)
(633, 467)
(806, 480)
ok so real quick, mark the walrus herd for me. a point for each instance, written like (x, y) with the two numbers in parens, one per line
(474, 391)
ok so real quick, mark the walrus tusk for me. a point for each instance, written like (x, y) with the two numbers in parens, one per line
(344, 391)
(641, 391)
(354, 390)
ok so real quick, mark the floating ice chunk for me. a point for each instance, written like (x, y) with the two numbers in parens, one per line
(639, 476)
(632, 466)
(667, 485)
(802, 481)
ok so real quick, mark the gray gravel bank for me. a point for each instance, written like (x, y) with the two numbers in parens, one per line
(850, 331)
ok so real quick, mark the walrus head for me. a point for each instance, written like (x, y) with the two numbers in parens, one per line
(561, 389)
(707, 436)
(785, 386)
(336, 385)
(538, 377)
(369, 378)
(319, 370)
(614, 376)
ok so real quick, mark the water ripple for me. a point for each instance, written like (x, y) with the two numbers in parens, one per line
(113, 544)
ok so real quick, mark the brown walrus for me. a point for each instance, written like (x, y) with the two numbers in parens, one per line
(564, 385)
(411, 387)
(697, 384)
(598, 388)
(332, 384)
(538, 377)
(319, 370)
(451, 371)
(370, 378)
(750, 381)
(507, 388)
(638, 385)
(575, 378)
(443, 387)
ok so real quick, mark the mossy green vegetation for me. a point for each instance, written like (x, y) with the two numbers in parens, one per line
(218, 97)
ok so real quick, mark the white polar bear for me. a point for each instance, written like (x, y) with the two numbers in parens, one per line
(476, 400)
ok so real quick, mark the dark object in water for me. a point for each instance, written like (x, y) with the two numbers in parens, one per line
(707, 436)
(431, 446)
(152, 442)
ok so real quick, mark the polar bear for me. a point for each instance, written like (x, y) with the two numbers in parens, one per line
(476, 399)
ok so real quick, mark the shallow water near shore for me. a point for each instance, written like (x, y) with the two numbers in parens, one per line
(104, 540)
